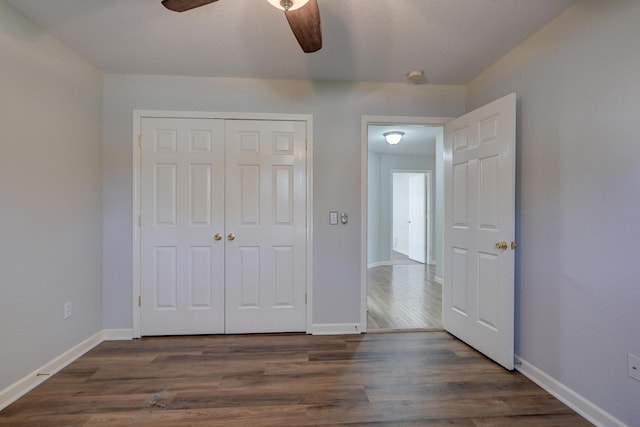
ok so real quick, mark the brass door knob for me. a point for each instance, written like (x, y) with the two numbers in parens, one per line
(502, 245)
(231, 236)
(217, 237)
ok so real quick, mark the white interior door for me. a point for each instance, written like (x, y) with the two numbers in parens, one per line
(265, 226)
(417, 218)
(478, 291)
(223, 226)
(182, 208)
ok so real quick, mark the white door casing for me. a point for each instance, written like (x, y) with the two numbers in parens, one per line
(479, 170)
(190, 191)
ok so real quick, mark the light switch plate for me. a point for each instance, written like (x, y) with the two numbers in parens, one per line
(333, 218)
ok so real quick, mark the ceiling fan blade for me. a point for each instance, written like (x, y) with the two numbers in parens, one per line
(183, 5)
(305, 24)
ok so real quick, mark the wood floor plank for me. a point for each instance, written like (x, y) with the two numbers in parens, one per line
(408, 379)
(403, 296)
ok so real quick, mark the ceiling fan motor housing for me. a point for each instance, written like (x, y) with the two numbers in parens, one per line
(286, 4)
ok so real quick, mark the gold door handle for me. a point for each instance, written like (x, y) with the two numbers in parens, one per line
(217, 237)
(231, 236)
(502, 245)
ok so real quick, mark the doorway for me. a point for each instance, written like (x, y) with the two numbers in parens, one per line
(476, 216)
(403, 244)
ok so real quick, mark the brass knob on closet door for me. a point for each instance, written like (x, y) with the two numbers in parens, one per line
(217, 237)
(231, 236)
(502, 245)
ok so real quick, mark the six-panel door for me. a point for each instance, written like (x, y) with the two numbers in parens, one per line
(478, 291)
(182, 208)
(265, 212)
(222, 226)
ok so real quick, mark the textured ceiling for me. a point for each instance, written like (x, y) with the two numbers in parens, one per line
(364, 40)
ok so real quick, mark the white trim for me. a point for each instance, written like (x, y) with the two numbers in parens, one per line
(138, 115)
(37, 377)
(335, 329)
(118, 334)
(587, 409)
(364, 130)
(379, 264)
(135, 295)
(309, 248)
(438, 280)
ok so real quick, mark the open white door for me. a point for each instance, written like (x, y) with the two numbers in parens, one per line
(479, 234)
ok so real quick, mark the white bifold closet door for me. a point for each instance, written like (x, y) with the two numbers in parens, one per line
(223, 233)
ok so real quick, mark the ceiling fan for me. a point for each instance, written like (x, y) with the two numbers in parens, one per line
(303, 17)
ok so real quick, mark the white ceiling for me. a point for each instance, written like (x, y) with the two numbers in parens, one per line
(363, 40)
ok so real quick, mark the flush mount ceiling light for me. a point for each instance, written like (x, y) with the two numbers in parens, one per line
(288, 4)
(393, 137)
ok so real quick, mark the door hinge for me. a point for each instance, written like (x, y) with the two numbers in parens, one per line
(305, 297)
(139, 221)
(139, 301)
(305, 145)
(140, 140)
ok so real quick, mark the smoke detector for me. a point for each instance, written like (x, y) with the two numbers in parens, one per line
(415, 76)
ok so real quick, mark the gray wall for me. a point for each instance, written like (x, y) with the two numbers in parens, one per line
(578, 207)
(50, 198)
(337, 109)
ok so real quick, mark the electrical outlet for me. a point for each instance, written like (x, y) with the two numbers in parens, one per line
(67, 310)
(633, 365)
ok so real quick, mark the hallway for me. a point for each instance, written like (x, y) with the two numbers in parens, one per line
(403, 296)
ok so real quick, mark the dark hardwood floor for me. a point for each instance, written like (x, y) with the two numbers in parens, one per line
(403, 296)
(407, 379)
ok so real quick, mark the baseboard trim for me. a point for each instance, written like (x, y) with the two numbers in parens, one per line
(438, 280)
(118, 334)
(37, 377)
(587, 409)
(379, 264)
(335, 329)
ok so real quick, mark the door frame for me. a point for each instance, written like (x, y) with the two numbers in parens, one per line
(365, 122)
(138, 115)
